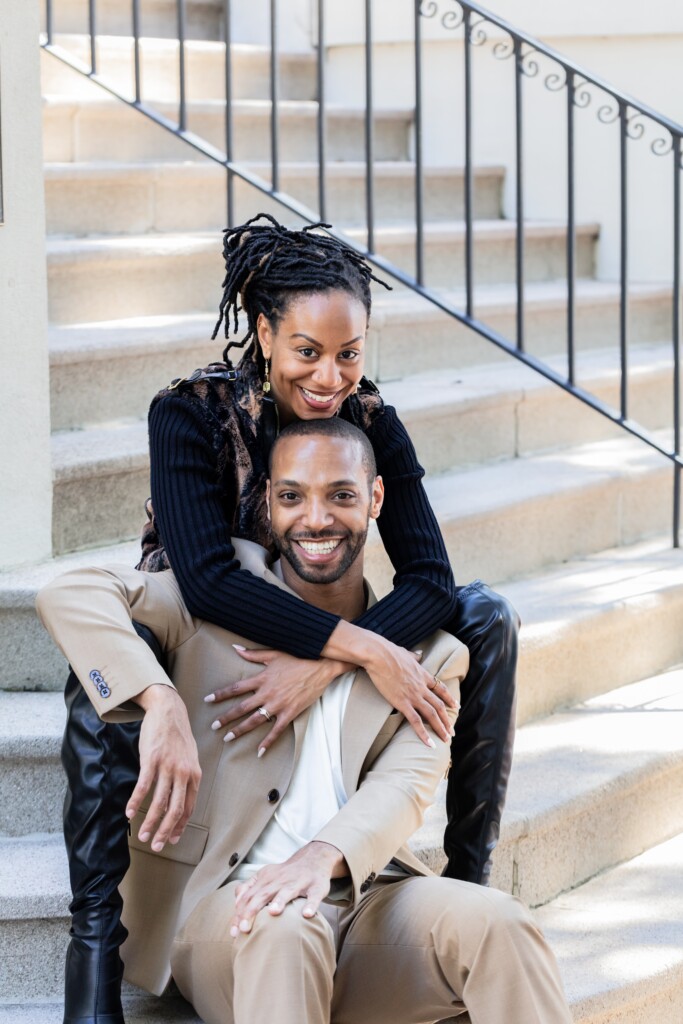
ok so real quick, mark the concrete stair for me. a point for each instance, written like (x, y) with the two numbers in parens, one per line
(568, 515)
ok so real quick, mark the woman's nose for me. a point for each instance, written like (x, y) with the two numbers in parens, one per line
(327, 374)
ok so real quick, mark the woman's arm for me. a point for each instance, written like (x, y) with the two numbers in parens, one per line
(423, 598)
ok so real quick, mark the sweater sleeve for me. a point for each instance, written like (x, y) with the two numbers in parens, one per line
(423, 598)
(189, 507)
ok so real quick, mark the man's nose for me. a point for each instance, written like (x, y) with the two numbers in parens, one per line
(317, 515)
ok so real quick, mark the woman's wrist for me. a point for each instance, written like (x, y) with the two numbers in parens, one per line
(349, 643)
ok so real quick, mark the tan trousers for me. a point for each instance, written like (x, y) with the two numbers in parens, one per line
(414, 951)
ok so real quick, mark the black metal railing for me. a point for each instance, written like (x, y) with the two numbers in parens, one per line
(474, 27)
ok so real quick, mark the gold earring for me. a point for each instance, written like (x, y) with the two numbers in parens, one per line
(266, 382)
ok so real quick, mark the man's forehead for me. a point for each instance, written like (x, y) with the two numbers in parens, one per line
(314, 458)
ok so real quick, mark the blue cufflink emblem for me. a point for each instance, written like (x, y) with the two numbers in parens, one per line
(99, 682)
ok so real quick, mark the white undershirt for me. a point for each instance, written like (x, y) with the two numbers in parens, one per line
(316, 791)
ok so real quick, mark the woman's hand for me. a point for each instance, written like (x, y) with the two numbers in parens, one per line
(403, 682)
(285, 687)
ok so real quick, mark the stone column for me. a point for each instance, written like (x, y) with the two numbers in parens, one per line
(25, 463)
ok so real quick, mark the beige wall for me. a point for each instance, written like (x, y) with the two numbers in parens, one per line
(25, 467)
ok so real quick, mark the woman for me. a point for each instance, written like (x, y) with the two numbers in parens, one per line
(307, 302)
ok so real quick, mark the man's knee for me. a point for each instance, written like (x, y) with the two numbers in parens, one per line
(290, 928)
(477, 916)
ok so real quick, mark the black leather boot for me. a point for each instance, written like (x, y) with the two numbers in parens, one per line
(484, 733)
(102, 765)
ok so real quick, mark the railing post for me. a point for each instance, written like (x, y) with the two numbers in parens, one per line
(230, 182)
(369, 132)
(623, 257)
(469, 184)
(92, 28)
(519, 190)
(676, 332)
(322, 198)
(182, 108)
(419, 172)
(274, 125)
(49, 21)
(136, 50)
(571, 228)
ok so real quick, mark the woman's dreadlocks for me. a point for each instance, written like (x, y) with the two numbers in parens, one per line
(268, 265)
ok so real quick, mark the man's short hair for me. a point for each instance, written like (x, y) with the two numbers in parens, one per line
(332, 427)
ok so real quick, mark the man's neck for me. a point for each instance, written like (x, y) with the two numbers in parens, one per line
(345, 597)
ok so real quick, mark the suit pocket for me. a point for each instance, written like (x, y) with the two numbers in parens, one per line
(188, 850)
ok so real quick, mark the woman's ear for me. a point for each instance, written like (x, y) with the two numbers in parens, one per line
(265, 336)
(377, 497)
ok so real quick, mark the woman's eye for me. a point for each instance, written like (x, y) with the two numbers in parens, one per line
(349, 354)
(289, 496)
(307, 353)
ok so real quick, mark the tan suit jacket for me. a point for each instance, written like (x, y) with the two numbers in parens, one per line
(389, 774)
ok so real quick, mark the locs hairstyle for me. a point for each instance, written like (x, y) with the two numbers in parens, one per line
(267, 266)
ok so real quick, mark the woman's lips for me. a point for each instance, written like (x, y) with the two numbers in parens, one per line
(317, 400)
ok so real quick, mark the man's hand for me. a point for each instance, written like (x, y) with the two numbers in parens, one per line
(169, 762)
(306, 874)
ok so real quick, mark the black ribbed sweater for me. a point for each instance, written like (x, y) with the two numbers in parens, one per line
(208, 470)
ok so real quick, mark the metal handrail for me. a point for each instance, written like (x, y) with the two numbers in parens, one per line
(522, 48)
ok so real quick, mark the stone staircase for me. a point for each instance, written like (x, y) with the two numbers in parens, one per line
(535, 493)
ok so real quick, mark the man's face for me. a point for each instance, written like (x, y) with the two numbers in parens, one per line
(320, 502)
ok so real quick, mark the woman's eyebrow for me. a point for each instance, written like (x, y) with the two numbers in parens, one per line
(313, 341)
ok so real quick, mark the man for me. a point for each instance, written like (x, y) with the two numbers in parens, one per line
(288, 893)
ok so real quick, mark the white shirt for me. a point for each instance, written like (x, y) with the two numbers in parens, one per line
(316, 791)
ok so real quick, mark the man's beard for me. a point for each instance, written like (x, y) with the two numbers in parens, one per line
(322, 573)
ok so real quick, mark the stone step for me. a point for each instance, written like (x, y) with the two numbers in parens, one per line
(138, 1006)
(590, 787)
(499, 521)
(519, 516)
(29, 658)
(619, 941)
(133, 198)
(579, 925)
(104, 128)
(158, 18)
(410, 335)
(204, 69)
(152, 274)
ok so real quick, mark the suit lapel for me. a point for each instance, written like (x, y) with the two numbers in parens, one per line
(366, 712)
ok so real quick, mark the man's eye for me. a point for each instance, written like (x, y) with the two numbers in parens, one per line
(345, 496)
(289, 496)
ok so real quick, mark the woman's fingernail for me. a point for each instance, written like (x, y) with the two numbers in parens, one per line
(229, 737)
(210, 698)
(215, 725)
(419, 653)
(431, 743)
(239, 647)
(245, 925)
(234, 932)
(261, 752)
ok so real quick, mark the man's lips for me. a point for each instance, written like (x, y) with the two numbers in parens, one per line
(322, 550)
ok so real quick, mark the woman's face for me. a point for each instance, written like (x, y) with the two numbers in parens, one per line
(316, 355)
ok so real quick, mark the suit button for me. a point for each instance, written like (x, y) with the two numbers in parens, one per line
(234, 857)
(273, 796)
(365, 886)
(372, 876)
